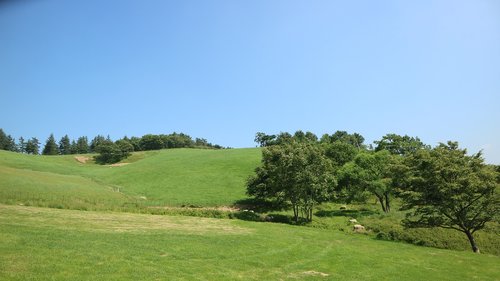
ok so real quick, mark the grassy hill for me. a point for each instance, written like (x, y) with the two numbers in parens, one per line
(167, 177)
(155, 181)
(51, 244)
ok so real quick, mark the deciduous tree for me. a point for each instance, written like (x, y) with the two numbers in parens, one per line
(400, 145)
(448, 188)
(294, 173)
(369, 172)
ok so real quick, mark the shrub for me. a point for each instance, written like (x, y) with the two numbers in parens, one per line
(110, 153)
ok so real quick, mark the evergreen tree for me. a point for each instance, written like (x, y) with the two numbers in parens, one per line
(65, 145)
(7, 142)
(33, 146)
(82, 145)
(21, 147)
(73, 147)
(50, 146)
(3, 140)
(11, 144)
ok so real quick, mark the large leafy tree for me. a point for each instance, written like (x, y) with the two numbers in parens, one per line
(110, 152)
(96, 142)
(50, 147)
(370, 172)
(448, 188)
(151, 142)
(340, 152)
(263, 139)
(399, 145)
(294, 174)
(284, 137)
(354, 139)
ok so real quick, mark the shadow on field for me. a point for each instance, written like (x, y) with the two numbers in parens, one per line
(252, 209)
(345, 213)
(257, 205)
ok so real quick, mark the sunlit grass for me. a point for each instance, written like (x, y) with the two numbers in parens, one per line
(51, 244)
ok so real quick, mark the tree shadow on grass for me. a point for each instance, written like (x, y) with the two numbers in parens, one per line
(258, 205)
(345, 213)
(252, 209)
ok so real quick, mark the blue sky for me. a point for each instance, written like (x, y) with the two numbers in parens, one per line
(224, 70)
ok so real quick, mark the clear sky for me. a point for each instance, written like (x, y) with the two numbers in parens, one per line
(224, 70)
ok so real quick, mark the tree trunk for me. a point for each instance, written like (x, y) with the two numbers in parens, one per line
(475, 249)
(387, 205)
(381, 200)
(295, 212)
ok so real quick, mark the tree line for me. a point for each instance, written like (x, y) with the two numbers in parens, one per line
(439, 186)
(111, 151)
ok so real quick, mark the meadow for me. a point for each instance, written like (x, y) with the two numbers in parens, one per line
(51, 244)
(159, 217)
(175, 177)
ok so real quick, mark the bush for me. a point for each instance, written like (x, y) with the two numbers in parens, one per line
(110, 153)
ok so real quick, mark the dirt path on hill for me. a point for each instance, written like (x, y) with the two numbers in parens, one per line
(82, 159)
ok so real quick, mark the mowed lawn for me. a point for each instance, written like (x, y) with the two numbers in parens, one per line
(167, 177)
(51, 244)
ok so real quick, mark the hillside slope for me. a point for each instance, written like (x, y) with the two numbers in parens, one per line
(166, 177)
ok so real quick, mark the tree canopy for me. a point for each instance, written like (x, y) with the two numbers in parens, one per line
(50, 147)
(447, 188)
(369, 172)
(400, 145)
(293, 173)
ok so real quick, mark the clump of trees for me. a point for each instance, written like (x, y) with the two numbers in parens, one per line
(113, 152)
(439, 186)
(109, 151)
(294, 173)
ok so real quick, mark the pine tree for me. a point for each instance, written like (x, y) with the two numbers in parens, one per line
(65, 145)
(5, 141)
(50, 146)
(73, 148)
(33, 146)
(82, 145)
(10, 144)
(21, 147)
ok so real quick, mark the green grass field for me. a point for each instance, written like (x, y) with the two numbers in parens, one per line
(168, 177)
(51, 244)
(112, 240)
